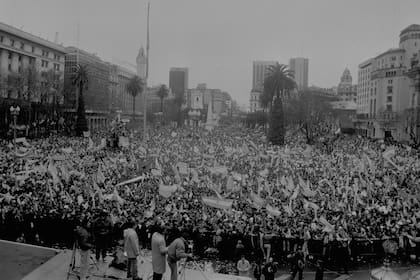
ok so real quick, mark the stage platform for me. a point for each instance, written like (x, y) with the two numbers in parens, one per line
(21, 261)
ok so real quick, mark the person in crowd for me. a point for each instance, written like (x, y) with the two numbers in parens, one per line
(83, 239)
(343, 250)
(319, 273)
(298, 263)
(102, 228)
(243, 267)
(176, 252)
(131, 248)
(239, 250)
(159, 251)
(269, 270)
(257, 270)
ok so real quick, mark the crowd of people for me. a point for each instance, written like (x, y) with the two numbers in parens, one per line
(233, 193)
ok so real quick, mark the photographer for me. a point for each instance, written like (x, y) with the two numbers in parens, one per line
(176, 252)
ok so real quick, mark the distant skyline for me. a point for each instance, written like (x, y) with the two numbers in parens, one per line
(218, 40)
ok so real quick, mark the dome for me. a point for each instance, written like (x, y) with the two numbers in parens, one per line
(410, 28)
(384, 273)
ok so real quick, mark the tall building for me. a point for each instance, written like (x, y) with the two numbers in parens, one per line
(141, 61)
(346, 90)
(259, 72)
(31, 73)
(178, 81)
(97, 95)
(300, 68)
(386, 95)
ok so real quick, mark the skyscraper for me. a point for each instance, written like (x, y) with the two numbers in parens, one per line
(259, 69)
(178, 81)
(299, 66)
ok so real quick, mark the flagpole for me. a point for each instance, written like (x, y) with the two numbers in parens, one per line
(146, 76)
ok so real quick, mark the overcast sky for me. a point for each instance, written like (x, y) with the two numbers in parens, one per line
(218, 39)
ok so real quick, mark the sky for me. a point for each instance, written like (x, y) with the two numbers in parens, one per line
(218, 39)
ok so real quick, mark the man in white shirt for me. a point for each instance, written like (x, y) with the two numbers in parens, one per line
(159, 251)
(243, 267)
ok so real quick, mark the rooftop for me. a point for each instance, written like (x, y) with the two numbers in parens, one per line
(410, 28)
(30, 37)
(393, 50)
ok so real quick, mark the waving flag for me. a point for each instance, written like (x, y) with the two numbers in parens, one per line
(100, 177)
(52, 169)
(275, 212)
(217, 203)
(257, 200)
(167, 191)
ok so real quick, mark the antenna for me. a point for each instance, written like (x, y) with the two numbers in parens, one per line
(56, 38)
(147, 75)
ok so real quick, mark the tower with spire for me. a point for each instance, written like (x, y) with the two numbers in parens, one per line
(141, 62)
(346, 90)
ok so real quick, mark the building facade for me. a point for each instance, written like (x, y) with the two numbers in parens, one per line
(384, 94)
(97, 95)
(31, 74)
(300, 67)
(259, 73)
(178, 81)
(346, 90)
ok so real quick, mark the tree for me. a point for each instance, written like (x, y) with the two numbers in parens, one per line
(32, 79)
(81, 80)
(311, 113)
(277, 86)
(162, 94)
(135, 86)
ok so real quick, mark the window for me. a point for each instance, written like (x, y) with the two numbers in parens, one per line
(389, 99)
(56, 67)
(389, 82)
(393, 58)
(10, 55)
(44, 63)
(12, 42)
(33, 49)
(389, 107)
(10, 67)
(22, 46)
(45, 53)
(1, 39)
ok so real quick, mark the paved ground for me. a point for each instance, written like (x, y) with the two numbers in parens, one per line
(16, 261)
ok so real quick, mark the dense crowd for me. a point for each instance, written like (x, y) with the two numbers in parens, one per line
(259, 200)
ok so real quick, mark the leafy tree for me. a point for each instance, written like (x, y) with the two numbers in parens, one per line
(277, 86)
(311, 113)
(135, 86)
(81, 80)
(162, 94)
(32, 79)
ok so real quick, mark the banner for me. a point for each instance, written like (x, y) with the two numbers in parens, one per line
(167, 191)
(275, 212)
(217, 203)
(131, 181)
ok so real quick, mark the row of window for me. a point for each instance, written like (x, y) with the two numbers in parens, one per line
(21, 46)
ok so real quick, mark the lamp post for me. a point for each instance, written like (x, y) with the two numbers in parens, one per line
(14, 111)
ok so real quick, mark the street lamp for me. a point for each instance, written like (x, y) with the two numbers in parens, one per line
(14, 111)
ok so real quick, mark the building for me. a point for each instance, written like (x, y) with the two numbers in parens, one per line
(300, 67)
(31, 75)
(346, 90)
(125, 99)
(199, 100)
(97, 95)
(385, 93)
(178, 81)
(259, 73)
(413, 112)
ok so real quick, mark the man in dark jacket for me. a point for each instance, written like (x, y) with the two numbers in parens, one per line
(298, 263)
(269, 270)
(102, 228)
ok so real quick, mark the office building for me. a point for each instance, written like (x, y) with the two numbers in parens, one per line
(300, 67)
(31, 74)
(386, 95)
(259, 73)
(178, 81)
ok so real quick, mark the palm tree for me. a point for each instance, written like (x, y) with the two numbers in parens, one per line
(81, 80)
(162, 94)
(277, 86)
(135, 86)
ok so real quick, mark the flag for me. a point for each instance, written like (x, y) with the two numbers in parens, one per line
(183, 168)
(219, 170)
(263, 173)
(195, 176)
(64, 173)
(196, 150)
(23, 141)
(290, 184)
(91, 145)
(52, 169)
(257, 200)
(288, 210)
(217, 203)
(295, 194)
(324, 222)
(68, 150)
(131, 181)
(390, 152)
(229, 183)
(116, 197)
(275, 212)
(100, 178)
(306, 190)
(123, 142)
(167, 191)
